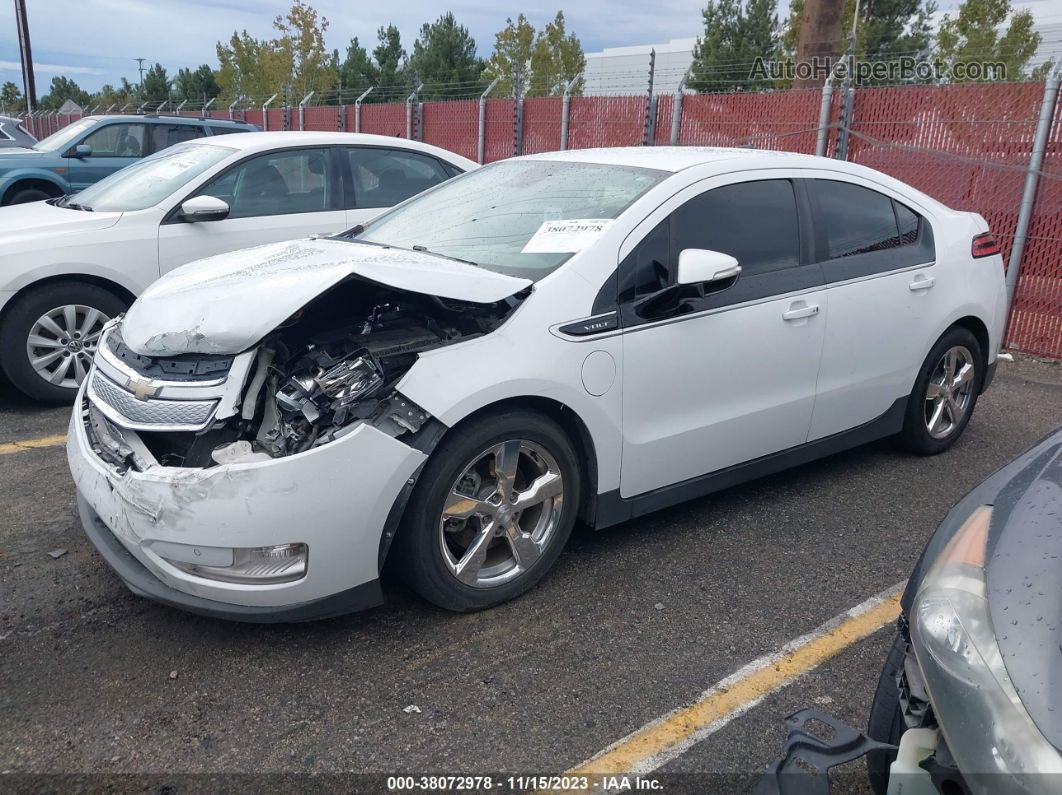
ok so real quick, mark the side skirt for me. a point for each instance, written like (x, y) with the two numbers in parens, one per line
(613, 509)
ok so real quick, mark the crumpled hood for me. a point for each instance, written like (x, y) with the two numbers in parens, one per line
(1025, 585)
(227, 303)
(43, 220)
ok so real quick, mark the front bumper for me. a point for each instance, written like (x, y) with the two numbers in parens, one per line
(335, 499)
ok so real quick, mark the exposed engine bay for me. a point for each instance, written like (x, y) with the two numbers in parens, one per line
(333, 363)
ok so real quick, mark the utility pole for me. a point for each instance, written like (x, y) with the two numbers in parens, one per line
(29, 87)
(140, 68)
(820, 39)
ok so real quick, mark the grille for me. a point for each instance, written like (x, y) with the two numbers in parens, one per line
(152, 413)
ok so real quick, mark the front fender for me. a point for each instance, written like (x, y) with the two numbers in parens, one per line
(12, 178)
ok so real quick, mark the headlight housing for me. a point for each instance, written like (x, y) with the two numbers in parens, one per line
(989, 732)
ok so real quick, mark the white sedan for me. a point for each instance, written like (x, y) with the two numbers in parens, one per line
(70, 264)
(591, 334)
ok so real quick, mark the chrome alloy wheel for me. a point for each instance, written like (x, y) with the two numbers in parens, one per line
(501, 513)
(62, 342)
(949, 392)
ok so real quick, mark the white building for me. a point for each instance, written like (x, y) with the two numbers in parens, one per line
(625, 70)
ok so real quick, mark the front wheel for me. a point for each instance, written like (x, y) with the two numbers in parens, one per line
(491, 511)
(944, 394)
(49, 335)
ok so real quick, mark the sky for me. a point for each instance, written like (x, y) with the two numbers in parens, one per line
(95, 41)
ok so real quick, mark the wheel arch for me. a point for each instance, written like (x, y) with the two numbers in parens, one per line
(114, 287)
(980, 330)
(33, 179)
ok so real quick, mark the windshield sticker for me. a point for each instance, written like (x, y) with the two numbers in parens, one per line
(566, 236)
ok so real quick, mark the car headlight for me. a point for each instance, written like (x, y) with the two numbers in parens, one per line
(989, 732)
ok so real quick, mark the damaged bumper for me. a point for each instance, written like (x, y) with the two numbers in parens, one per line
(335, 499)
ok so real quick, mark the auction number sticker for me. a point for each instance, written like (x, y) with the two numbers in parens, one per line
(566, 235)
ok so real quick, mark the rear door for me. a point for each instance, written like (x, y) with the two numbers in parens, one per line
(380, 177)
(114, 145)
(877, 255)
(280, 195)
(162, 134)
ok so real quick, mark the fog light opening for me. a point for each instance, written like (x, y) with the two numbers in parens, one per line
(255, 565)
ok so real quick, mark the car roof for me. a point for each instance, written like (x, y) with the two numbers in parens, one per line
(677, 158)
(164, 117)
(257, 141)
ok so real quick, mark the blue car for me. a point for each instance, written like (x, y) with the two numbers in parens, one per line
(94, 147)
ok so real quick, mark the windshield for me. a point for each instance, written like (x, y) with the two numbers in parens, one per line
(149, 181)
(65, 137)
(521, 217)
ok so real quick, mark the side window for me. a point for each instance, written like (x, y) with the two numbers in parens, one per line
(647, 269)
(278, 183)
(755, 222)
(908, 221)
(225, 130)
(163, 135)
(385, 177)
(857, 220)
(117, 140)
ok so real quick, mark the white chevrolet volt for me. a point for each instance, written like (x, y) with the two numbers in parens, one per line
(587, 335)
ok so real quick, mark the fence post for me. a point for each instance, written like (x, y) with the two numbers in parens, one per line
(824, 112)
(341, 117)
(676, 108)
(518, 113)
(566, 105)
(265, 112)
(357, 109)
(410, 102)
(481, 143)
(302, 110)
(650, 104)
(232, 108)
(1032, 179)
(178, 110)
(205, 106)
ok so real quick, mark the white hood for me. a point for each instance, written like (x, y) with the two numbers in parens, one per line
(227, 303)
(40, 219)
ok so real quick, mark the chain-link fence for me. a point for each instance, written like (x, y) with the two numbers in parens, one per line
(968, 145)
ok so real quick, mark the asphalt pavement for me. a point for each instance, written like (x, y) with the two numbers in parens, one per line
(633, 622)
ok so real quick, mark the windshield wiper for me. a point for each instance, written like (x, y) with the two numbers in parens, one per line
(426, 250)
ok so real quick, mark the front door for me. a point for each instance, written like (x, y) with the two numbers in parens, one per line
(272, 197)
(726, 377)
(114, 146)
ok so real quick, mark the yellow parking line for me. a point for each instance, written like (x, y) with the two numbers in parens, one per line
(32, 444)
(664, 739)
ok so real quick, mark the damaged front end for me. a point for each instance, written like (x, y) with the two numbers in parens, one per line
(332, 365)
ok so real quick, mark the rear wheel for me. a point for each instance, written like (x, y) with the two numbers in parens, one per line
(945, 393)
(49, 336)
(491, 512)
(886, 717)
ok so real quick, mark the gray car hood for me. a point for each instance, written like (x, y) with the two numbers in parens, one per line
(227, 303)
(1024, 570)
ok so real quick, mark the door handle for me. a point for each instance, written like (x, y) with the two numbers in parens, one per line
(921, 283)
(798, 313)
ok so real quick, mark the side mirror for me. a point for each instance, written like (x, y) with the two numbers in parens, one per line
(204, 208)
(701, 266)
(79, 151)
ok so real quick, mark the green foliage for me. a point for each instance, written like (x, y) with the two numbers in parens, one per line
(197, 87)
(445, 53)
(513, 46)
(734, 37)
(391, 62)
(11, 98)
(556, 58)
(974, 36)
(62, 89)
(156, 87)
(357, 71)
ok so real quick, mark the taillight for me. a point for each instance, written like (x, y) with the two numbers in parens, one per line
(984, 245)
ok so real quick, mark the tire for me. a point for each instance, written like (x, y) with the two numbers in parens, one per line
(23, 318)
(954, 403)
(27, 195)
(431, 547)
(886, 722)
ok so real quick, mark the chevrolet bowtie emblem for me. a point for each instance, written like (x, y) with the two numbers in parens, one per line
(142, 388)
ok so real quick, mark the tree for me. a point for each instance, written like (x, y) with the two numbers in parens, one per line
(62, 89)
(11, 98)
(357, 70)
(109, 96)
(974, 37)
(444, 59)
(197, 87)
(301, 50)
(556, 59)
(156, 86)
(734, 37)
(513, 46)
(249, 68)
(390, 59)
